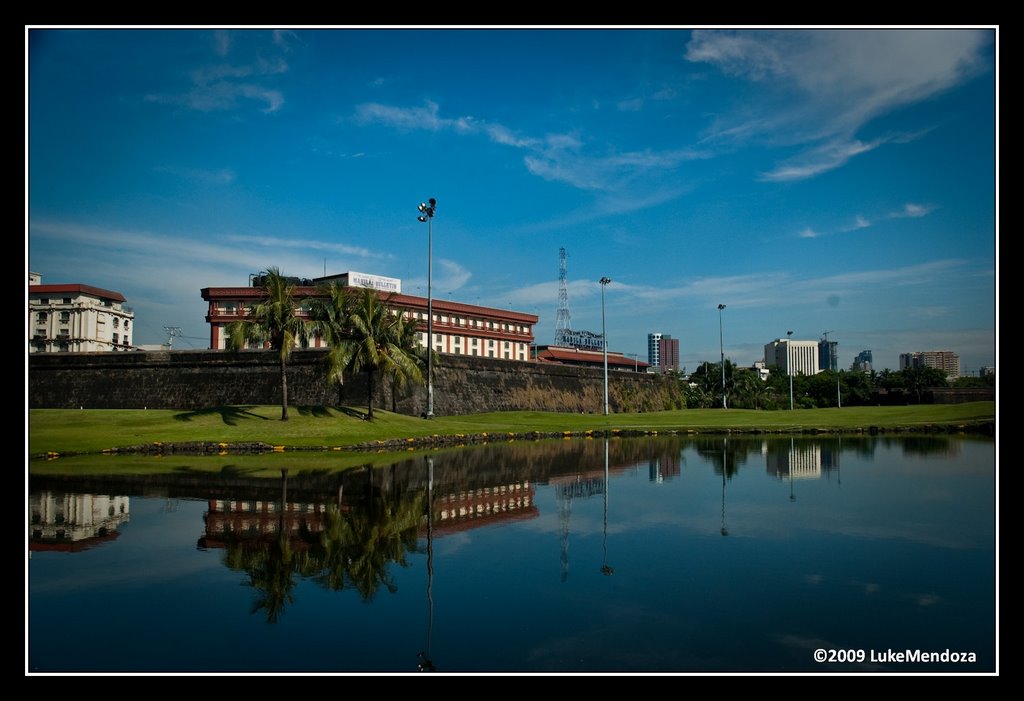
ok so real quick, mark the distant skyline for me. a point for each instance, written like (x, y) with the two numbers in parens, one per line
(813, 180)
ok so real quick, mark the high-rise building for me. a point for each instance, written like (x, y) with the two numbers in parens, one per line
(947, 361)
(862, 362)
(828, 355)
(792, 357)
(76, 318)
(662, 352)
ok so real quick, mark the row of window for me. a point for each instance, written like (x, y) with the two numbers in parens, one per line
(65, 317)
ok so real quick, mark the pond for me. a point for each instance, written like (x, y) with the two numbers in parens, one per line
(659, 554)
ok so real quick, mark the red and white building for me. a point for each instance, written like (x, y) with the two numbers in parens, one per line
(458, 329)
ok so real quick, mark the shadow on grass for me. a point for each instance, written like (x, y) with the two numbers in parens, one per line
(320, 412)
(231, 415)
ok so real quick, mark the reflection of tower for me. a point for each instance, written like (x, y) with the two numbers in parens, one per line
(605, 568)
(426, 663)
(564, 511)
(563, 326)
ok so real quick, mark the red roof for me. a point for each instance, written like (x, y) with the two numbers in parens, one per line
(560, 354)
(78, 289)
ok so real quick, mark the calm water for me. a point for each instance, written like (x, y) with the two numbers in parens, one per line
(660, 554)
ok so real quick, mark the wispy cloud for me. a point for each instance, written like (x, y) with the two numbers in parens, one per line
(824, 85)
(859, 222)
(556, 157)
(226, 86)
(224, 176)
(808, 233)
(912, 210)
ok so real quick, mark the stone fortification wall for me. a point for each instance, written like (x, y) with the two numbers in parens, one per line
(208, 378)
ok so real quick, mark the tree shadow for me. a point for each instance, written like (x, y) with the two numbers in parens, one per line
(354, 413)
(231, 415)
(318, 411)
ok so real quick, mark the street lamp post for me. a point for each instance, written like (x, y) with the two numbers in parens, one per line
(604, 343)
(721, 349)
(427, 215)
(789, 366)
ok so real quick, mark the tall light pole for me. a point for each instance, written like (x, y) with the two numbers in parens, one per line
(789, 366)
(427, 215)
(721, 349)
(604, 343)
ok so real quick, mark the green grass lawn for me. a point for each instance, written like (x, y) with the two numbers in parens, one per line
(67, 431)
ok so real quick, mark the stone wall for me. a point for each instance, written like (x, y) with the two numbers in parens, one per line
(208, 378)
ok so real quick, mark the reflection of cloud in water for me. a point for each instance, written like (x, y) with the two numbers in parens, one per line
(872, 588)
(161, 571)
(814, 578)
(928, 599)
(450, 544)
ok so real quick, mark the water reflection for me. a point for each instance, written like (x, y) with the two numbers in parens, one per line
(365, 534)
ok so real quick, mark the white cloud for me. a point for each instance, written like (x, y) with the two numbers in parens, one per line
(808, 233)
(912, 210)
(555, 157)
(822, 86)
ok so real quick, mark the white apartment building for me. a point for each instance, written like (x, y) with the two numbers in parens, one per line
(793, 357)
(75, 318)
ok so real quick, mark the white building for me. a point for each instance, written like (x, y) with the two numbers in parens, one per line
(793, 357)
(76, 318)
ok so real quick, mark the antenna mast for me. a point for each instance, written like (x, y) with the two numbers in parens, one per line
(563, 326)
(172, 331)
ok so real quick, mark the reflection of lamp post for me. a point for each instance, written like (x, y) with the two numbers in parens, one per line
(789, 365)
(427, 215)
(725, 441)
(792, 459)
(604, 342)
(721, 349)
(426, 664)
(605, 568)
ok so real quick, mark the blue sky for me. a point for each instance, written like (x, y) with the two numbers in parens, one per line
(839, 180)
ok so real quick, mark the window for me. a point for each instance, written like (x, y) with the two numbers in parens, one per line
(490, 344)
(125, 324)
(40, 333)
(67, 300)
(506, 355)
(44, 300)
(41, 317)
(65, 317)
(116, 322)
(114, 337)
(64, 333)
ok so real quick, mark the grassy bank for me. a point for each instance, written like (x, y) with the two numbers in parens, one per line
(68, 431)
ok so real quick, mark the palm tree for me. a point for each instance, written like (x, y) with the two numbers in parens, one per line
(329, 317)
(380, 342)
(274, 321)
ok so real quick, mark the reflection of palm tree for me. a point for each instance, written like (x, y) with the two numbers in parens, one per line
(272, 578)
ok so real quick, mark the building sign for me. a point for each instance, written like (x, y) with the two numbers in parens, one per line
(375, 282)
(584, 340)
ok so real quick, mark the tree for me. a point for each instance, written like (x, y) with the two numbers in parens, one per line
(274, 321)
(381, 342)
(329, 318)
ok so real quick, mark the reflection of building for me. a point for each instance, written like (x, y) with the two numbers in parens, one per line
(798, 461)
(662, 352)
(459, 329)
(484, 506)
(792, 357)
(947, 361)
(76, 318)
(73, 522)
(563, 355)
(245, 519)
